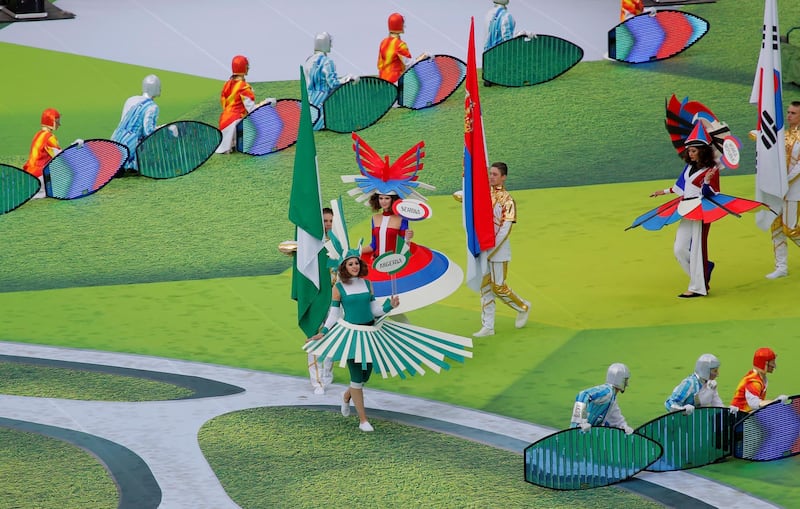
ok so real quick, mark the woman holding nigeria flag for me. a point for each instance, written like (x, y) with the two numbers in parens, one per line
(356, 335)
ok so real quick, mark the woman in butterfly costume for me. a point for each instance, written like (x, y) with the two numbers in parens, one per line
(705, 144)
(355, 334)
(429, 276)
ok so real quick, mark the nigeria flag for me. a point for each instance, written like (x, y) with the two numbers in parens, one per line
(311, 286)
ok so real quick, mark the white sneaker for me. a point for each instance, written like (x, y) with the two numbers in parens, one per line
(483, 333)
(522, 316)
(777, 273)
(366, 426)
(319, 390)
(345, 408)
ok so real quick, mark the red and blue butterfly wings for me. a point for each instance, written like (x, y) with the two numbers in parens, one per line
(378, 176)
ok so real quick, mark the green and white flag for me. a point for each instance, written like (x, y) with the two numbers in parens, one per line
(311, 286)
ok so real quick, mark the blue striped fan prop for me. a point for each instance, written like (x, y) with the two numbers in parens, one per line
(16, 187)
(355, 106)
(430, 81)
(652, 37)
(392, 348)
(524, 61)
(690, 441)
(176, 149)
(575, 460)
(82, 169)
(271, 128)
(769, 433)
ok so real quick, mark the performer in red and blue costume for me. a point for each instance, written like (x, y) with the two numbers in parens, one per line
(382, 184)
(699, 178)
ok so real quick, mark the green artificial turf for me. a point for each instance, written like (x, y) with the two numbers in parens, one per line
(217, 292)
(21, 379)
(44, 473)
(303, 458)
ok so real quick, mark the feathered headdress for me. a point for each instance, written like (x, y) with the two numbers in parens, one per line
(338, 243)
(378, 176)
(681, 121)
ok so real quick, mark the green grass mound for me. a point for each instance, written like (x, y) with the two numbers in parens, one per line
(305, 458)
(21, 379)
(50, 474)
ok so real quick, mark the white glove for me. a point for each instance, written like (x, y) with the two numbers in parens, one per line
(173, 130)
(355, 79)
(531, 35)
(711, 384)
(78, 142)
(270, 100)
(628, 430)
(783, 398)
(687, 409)
(585, 426)
(733, 409)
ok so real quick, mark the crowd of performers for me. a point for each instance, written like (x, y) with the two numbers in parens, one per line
(597, 406)
(356, 318)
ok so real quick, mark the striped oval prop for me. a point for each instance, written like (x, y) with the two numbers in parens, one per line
(80, 170)
(690, 441)
(271, 128)
(355, 106)
(522, 61)
(769, 433)
(16, 187)
(163, 154)
(652, 37)
(430, 81)
(574, 460)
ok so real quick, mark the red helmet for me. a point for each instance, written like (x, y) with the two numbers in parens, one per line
(396, 22)
(762, 356)
(240, 64)
(51, 118)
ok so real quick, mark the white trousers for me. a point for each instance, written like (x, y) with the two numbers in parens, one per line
(320, 371)
(494, 286)
(228, 138)
(783, 228)
(690, 251)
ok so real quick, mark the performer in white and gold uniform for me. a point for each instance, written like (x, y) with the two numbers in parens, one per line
(494, 282)
(787, 225)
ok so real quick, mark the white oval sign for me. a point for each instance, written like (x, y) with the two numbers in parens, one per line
(390, 262)
(730, 152)
(413, 210)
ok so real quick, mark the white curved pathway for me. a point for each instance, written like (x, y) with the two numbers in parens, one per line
(164, 433)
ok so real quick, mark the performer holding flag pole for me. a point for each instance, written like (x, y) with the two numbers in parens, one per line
(771, 172)
(311, 286)
(488, 212)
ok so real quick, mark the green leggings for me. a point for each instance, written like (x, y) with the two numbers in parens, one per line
(358, 374)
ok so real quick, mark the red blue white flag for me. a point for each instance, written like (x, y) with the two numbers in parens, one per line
(771, 178)
(477, 200)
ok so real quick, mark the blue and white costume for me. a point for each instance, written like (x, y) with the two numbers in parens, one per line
(698, 389)
(597, 406)
(139, 118)
(693, 391)
(601, 406)
(500, 26)
(321, 79)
